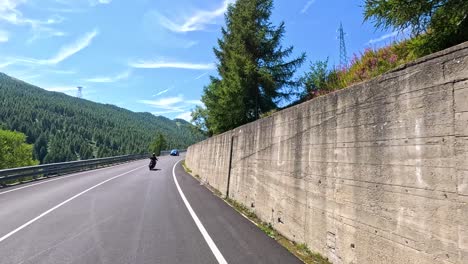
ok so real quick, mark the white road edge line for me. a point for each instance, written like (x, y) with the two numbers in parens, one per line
(56, 178)
(61, 204)
(199, 224)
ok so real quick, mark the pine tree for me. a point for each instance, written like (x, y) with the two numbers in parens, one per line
(253, 70)
(40, 148)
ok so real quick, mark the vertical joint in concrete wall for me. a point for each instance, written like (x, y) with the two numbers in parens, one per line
(230, 167)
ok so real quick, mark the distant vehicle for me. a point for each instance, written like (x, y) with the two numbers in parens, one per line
(174, 152)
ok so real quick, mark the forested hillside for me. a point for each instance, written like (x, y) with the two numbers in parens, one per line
(65, 128)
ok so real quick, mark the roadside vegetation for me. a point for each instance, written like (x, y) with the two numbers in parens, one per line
(434, 26)
(321, 79)
(255, 73)
(14, 152)
(300, 250)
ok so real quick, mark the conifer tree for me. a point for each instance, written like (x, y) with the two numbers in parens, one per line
(254, 73)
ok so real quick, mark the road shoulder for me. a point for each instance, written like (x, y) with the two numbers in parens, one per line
(239, 240)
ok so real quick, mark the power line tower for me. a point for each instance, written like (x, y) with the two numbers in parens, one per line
(79, 93)
(343, 54)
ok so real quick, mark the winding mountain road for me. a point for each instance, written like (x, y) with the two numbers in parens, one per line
(128, 214)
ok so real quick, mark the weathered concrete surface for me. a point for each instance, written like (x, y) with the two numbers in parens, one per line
(377, 173)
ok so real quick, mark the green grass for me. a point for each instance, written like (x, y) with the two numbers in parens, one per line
(186, 168)
(299, 250)
(308, 256)
(365, 66)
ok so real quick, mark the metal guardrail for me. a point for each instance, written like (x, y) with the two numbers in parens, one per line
(48, 170)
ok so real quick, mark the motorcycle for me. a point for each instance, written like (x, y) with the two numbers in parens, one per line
(152, 165)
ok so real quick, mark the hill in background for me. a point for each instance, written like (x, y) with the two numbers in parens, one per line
(65, 128)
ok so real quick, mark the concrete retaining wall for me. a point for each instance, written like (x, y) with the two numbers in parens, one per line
(376, 173)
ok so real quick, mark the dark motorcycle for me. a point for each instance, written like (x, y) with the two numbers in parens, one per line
(152, 164)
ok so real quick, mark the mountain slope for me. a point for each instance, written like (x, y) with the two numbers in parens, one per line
(65, 128)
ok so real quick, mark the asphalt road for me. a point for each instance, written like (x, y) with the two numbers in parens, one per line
(128, 214)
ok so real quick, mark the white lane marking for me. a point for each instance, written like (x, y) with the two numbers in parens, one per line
(199, 224)
(56, 179)
(63, 203)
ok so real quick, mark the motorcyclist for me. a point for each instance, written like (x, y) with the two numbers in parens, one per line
(154, 159)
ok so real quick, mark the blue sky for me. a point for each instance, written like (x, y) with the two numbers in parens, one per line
(154, 56)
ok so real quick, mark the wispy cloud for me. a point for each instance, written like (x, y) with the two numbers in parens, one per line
(187, 116)
(190, 43)
(110, 79)
(10, 13)
(65, 52)
(196, 21)
(158, 64)
(195, 102)
(99, 2)
(307, 6)
(6, 64)
(163, 92)
(45, 32)
(64, 9)
(90, 2)
(62, 89)
(167, 105)
(384, 37)
(73, 48)
(4, 36)
(62, 71)
(42, 28)
(161, 36)
(201, 75)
